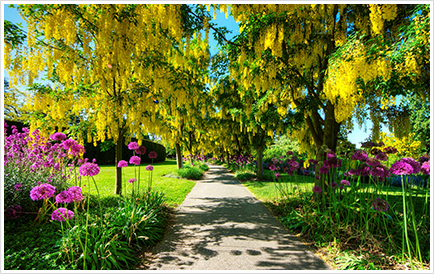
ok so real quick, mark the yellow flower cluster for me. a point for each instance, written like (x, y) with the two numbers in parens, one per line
(406, 145)
(380, 13)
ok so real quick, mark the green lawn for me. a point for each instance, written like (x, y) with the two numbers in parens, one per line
(174, 189)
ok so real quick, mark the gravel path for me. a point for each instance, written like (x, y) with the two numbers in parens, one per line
(221, 226)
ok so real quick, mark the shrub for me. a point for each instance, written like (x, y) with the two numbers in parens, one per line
(190, 172)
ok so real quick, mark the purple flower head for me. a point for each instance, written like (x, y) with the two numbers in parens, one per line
(76, 150)
(152, 155)
(58, 136)
(317, 189)
(413, 163)
(133, 146)
(354, 172)
(64, 197)
(381, 156)
(370, 161)
(345, 183)
(272, 167)
(67, 144)
(334, 185)
(141, 150)
(293, 165)
(380, 204)
(75, 192)
(61, 214)
(360, 155)
(122, 163)
(13, 212)
(288, 153)
(313, 161)
(390, 150)
(425, 168)
(88, 169)
(277, 175)
(323, 170)
(401, 168)
(332, 162)
(132, 180)
(364, 170)
(422, 159)
(368, 144)
(42, 192)
(18, 186)
(135, 160)
(377, 171)
(331, 154)
(149, 168)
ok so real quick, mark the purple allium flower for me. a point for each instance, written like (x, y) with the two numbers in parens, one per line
(364, 170)
(133, 145)
(58, 136)
(368, 144)
(390, 150)
(149, 168)
(331, 154)
(272, 167)
(293, 165)
(413, 163)
(43, 191)
(64, 197)
(354, 172)
(381, 156)
(122, 163)
(277, 175)
(288, 153)
(377, 171)
(132, 180)
(18, 186)
(75, 192)
(370, 161)
(152, 155)
(68, 143)
(334, 185)
(313, 161)
(345, 183)
(61, 213)
(317, 189)
(135, 160)
(323, 170)
(380, 204)
(426, 168)
(76, 149)
(88, 169)
(13, 212)
(360, 155)
(332, 162)
(422, 159)
(141, 150)
(401, 168)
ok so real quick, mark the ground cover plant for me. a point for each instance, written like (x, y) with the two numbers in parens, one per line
(67, 214)
(371, 211)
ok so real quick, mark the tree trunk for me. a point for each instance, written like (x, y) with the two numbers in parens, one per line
(178, 156)
(118, 157)
(260, 171)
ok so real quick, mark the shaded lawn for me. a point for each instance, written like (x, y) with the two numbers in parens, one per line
(174, 189)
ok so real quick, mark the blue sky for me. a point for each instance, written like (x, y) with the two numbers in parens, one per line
(357, 136)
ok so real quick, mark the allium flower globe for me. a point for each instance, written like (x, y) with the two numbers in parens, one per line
(380, 204)
(425, 168)
(141, 150)
(149, 168)
(132, 180)
(88, 169)
(152, 155)
(277, 175)
(42, 192)
(135, 160)
(60, 214)
(58, 136)
(401, 168)
(133, 146)
(64, 197)
(75, 192)
(122, 163)
(317, 189)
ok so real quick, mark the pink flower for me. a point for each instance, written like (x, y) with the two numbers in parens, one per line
(58, 136)
(89, 169)
(272, 167)
(135, 160)
(42, 192)
(317, 189)
(132, 180)
(122, 163)
(64, 197)
(425, 168)
(75, 192)
(149, 168)
(277, 174)
(152, 155)
(141, 150)
(345, 183)
(133, 145)
(61, 213)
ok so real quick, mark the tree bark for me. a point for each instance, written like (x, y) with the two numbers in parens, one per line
(118, 157)
(260, 171)
(178, 156)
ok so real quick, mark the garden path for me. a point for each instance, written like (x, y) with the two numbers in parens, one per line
(221, 226)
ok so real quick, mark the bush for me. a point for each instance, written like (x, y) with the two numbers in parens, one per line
(190, 172)
(245, 175)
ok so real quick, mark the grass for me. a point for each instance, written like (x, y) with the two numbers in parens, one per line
(175, 190)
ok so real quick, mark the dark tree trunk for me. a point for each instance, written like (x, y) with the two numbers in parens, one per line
(260, 171)
(118, 157)
(178, 156)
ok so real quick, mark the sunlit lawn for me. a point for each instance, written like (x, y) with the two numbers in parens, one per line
(175, 189)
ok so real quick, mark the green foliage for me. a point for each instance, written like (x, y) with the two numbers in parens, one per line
(244, 174)
(347, 261)
(190, 172)
(282, 145)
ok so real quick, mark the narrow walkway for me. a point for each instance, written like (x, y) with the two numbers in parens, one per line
(221, 226)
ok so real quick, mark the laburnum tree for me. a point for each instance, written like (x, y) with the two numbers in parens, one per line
(182, 109)
(299, 54)
(107, 61)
